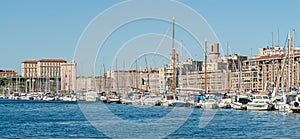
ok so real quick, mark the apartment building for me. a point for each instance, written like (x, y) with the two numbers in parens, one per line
(265, 72)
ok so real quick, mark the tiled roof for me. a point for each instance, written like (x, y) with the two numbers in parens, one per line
(45, 60)
(7, 71)
(29, 61)
(52, 60)
(276, 56)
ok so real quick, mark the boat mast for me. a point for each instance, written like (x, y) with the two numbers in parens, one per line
(117, 83)
(251, 81)
(273, 62)
(111, 82)
(173, 58)
(147, 83)
(100, 86)
(136, 75)
(293, 56)
(240, 74)
(104, 77)
(181, 64)
(288, 71)
(17, 90)
(123, 77)
(227, 68)
(205, 66)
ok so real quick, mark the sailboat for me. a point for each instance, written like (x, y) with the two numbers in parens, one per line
(285, 104)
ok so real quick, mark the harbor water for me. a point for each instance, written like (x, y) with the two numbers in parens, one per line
(30, 119)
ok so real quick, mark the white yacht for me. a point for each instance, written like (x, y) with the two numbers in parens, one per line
(225, 102)
(240, 102)
(113, 97)
(281, 103)
(103, 97)
(126, 100)
(168, 100)
(151, 100)
(294, 105)
(189, 97)
(26, 96)
(259, 103)
(69, 98)
(91, 96)
(210, 104)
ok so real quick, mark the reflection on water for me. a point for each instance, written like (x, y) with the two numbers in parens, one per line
(65, 120)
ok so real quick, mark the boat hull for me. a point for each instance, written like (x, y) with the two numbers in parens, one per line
(258, 107)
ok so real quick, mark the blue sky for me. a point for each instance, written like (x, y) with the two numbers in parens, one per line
(35, 29)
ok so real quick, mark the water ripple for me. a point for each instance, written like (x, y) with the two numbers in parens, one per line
(65, 120)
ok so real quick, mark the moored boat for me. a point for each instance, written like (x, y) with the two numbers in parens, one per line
(240, 102)
(113, 97)
(225, 102)
(91, 96)
(259, 103)
(210, 104)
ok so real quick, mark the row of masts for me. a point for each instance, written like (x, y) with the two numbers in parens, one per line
(273, 80)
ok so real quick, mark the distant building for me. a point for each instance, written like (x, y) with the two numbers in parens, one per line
(49, 75)
(68, 76)
(270, 50)
(221, 71)
(188, 75)
(84, 84)
(44, 68)
(124, 81)
(275, 50)
(8, 74)
(265, 72)
(189, 65)
(234, 61)
(29, 68)
(49, 67)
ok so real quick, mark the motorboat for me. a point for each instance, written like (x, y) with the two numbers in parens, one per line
(168, 100)
(210, 104)
(225, 102)
(102, 97)
(126, 100)
(294, 105)
(68, 98)
(240, 102)
(113, 97)
(199, 100)
(91, 96)
(182, 103)
(183, 100)
(259, 103)
(189, 97)
(281, 103)
(151, 100)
